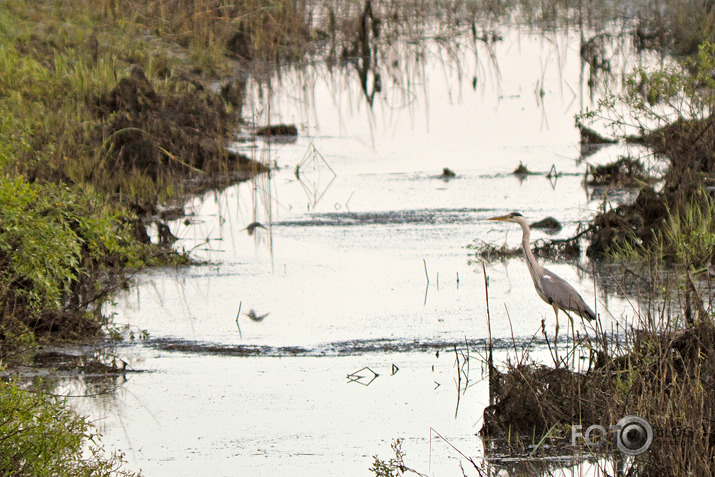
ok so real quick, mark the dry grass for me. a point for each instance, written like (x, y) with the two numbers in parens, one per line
(661, 369)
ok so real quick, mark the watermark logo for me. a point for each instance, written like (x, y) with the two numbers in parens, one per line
(633, 435)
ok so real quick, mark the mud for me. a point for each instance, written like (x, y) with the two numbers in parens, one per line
(71, 361)
(531, 400)
(664, 377)
(628, 223)
(278, 130)
(624, 172)
(687, 147)
(591, 141)
(337, 348)
(180, 135)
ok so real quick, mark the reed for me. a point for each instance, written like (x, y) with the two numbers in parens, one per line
(660, 368)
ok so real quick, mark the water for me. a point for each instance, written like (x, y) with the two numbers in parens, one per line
(363, 269)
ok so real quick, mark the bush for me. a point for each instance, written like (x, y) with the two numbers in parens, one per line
(41, 437)
(61, 253)
(669, 111)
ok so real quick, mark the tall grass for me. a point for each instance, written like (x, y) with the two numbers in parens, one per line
(686, 237)
(251, 29)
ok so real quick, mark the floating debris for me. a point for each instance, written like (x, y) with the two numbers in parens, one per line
(277, 130)
(624, 172)
(522, 170)
(364, 376)
(448, 173)
(250, 228)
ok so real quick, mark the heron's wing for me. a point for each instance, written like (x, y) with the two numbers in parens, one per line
(557, 291)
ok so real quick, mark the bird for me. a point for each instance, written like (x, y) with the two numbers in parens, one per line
(553, 289)
(254, 316)
(253, 226)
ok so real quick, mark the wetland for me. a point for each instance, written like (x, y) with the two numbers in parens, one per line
(338, 296)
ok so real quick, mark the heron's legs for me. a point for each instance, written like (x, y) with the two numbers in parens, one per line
(573, 337)
(556, 312)
(556, 333)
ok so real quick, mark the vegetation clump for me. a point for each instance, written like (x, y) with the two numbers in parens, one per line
(624, 172)
(686, 144)
(531, 400)
(61, 255)
(39, 437)
(521, 170)
(664, 375)
(163, 139)
(548, 223)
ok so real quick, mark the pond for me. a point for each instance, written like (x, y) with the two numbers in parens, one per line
(308, 344)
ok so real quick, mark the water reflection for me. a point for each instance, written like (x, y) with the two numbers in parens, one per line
(314, 174)
(355, 247)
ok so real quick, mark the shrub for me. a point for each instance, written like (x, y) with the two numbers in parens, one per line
(39, 436)
(57, 249)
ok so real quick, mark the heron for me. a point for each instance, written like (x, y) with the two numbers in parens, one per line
(553, 289)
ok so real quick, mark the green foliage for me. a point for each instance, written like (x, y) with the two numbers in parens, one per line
(688, 236)
(63, 245)
(39, 436)
(670, 111)
(651, 99)
(393, 467)
(55, 245)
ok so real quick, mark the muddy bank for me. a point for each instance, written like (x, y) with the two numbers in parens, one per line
(178, 137)
(688, 147)
(665, 377)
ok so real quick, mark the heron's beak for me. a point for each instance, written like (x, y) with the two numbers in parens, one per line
(502, 218)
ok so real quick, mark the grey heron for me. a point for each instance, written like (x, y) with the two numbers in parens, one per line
(553, 289)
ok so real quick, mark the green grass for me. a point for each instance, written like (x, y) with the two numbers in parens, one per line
(687, 237)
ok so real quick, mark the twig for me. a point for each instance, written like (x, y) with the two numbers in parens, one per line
(240, 335)
(490, 358)
(432, 430)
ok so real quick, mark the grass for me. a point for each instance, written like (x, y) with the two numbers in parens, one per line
(660, 368)
(686, 237)
(105, 112)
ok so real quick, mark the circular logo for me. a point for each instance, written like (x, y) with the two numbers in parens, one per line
(635, 435)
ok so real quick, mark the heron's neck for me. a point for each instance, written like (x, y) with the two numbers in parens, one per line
(534, 267)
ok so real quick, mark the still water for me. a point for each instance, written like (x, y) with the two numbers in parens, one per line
(334, 328)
